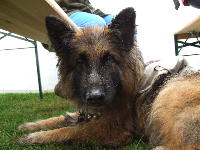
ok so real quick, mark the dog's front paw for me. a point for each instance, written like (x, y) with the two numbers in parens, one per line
(160, 148)
(33, 138)
(31, 126)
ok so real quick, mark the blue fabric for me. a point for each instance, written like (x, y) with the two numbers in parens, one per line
(108, 19)
(84, 19)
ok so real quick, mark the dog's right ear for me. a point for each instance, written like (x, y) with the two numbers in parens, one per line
(59, 34)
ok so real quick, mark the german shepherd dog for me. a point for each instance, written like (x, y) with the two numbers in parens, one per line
(100, 71)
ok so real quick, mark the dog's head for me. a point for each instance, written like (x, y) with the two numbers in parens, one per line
(98, 65)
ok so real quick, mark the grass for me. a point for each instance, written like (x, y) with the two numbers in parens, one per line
(16, 109)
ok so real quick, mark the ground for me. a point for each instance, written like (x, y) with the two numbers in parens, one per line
(16, 109)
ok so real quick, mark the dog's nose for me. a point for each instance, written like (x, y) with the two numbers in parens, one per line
(95, 97)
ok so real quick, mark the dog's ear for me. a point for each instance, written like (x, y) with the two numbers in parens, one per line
(59, 34)
(123, 28)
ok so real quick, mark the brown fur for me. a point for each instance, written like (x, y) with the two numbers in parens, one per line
(174, 117)
(170, 119)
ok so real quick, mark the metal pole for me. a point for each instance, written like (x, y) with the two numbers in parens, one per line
(38, 69)
(176, 45)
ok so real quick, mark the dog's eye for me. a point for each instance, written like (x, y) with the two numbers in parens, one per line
(81, 59)
(108, 58)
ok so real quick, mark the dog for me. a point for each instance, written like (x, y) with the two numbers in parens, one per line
(101, 71)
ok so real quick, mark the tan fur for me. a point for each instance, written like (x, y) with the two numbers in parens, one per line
(175, 113)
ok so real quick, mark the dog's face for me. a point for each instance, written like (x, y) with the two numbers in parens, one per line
(94, 64)
(96, 73)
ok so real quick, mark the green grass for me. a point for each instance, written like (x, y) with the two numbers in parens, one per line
(16, 109)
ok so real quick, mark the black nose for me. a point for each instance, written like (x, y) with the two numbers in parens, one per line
(95, 97)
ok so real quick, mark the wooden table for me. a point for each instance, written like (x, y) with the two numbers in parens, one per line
(25, 17)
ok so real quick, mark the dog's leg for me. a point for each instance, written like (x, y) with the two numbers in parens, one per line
(160, 148)
(96, 132)
(77, 134)
(56, 135)
(47, 124)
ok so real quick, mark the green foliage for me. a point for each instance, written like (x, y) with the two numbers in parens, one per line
(16, 109)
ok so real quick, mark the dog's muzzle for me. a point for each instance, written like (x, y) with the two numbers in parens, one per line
(95, 97)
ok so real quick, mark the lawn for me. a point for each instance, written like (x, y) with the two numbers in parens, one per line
(16, 109)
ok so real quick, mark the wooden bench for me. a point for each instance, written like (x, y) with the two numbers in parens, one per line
(191, 30)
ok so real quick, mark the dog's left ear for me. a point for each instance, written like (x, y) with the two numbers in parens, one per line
(123, 28)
